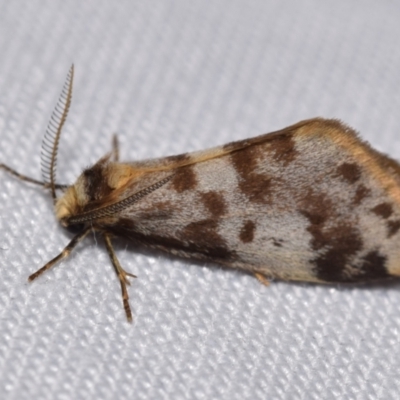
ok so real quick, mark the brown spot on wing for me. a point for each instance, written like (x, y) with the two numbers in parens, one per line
(337, 243)
(247, 232)
(317, 208)
(361, 193)
(203, 235)
(342, 244)
(393, 227)
(283, 148)
(214, 202)
(246, 160)
(373, 267)
(316, 217)
(383, 210)
(257, 187)
(277, 242)
(349, 171)
(184, 179)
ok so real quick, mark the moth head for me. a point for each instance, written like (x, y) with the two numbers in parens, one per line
(90, 189)
(94, 189)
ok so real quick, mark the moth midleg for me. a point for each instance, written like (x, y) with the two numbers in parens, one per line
(122, 275)
(115, 147)
(25, 178)
(65, 253)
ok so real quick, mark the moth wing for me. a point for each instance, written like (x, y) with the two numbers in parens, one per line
(311, 202)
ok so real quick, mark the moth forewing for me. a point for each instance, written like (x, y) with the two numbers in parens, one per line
(311, 202)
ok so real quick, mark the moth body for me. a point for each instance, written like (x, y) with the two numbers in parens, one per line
(311, 202)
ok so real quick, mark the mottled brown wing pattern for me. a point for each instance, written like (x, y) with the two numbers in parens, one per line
(311, 202)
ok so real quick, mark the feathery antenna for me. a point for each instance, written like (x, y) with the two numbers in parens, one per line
(53, 132)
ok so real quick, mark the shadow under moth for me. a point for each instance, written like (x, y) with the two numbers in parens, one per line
(311, 202)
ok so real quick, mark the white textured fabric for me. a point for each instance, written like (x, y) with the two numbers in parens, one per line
(170, 77)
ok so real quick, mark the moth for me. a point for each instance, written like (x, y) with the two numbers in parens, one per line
(311, 202)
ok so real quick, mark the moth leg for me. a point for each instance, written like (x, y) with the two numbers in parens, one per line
(122, 275)
(115, 148)
(27, 179)
(65, 253)
(262, 278)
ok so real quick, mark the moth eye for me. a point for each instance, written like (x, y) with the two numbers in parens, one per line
(75, 228)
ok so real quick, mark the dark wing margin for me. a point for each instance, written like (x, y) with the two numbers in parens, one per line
(52, 136)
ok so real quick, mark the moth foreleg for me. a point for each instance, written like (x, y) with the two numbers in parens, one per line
(122, 275)
(65, 253)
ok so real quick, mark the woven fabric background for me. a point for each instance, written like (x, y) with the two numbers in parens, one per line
(170, 77)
